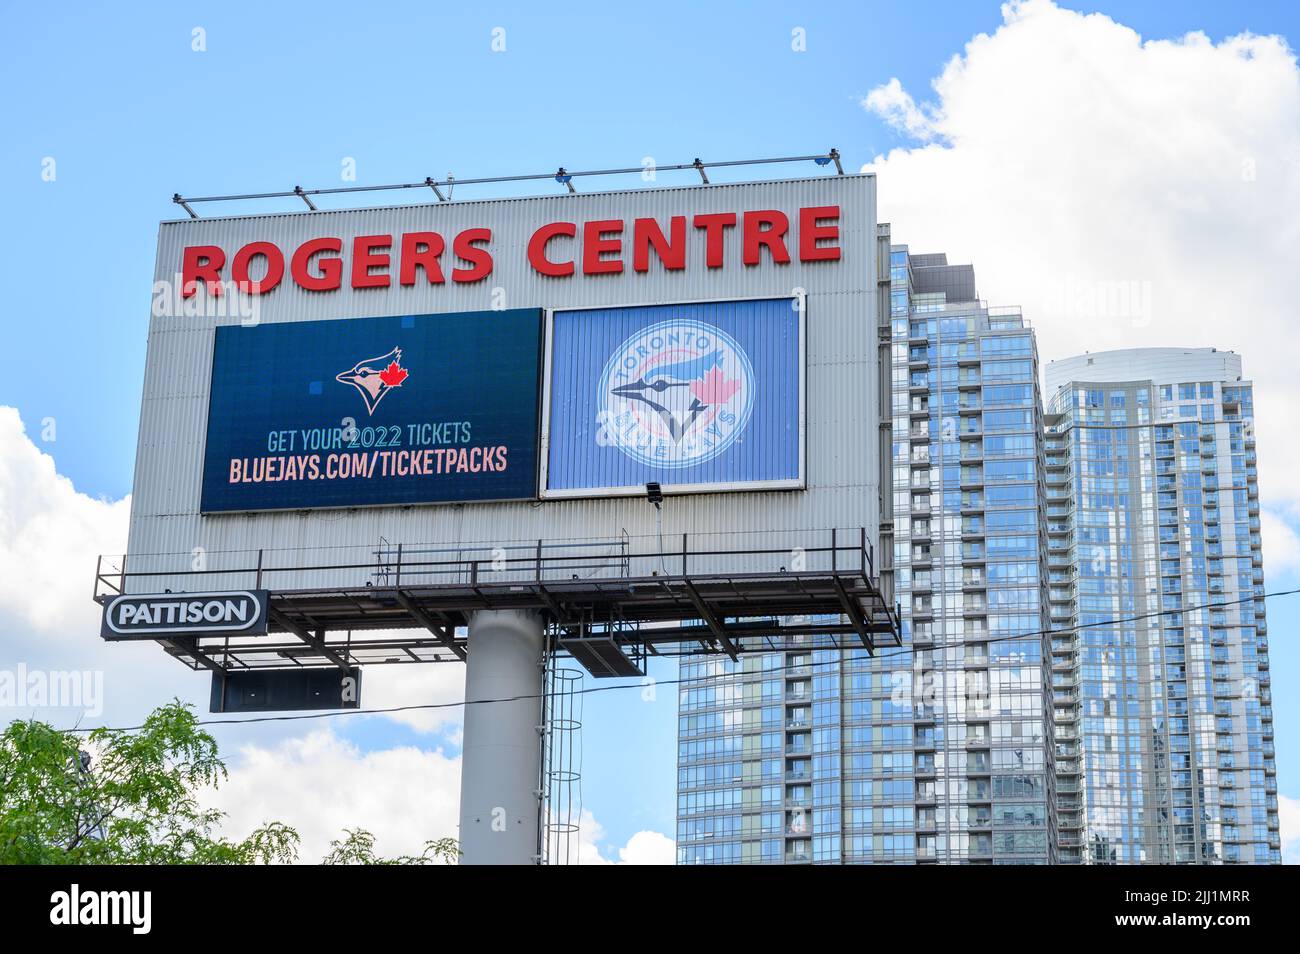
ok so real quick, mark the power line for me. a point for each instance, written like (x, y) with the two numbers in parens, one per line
(895, 651)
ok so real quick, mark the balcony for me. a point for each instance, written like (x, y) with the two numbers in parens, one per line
(798, 853)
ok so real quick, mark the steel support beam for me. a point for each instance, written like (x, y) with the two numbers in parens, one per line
(715, 625)
(190, 647)
(311, 639)
(557, 611)
(853, 610)
(446, 634)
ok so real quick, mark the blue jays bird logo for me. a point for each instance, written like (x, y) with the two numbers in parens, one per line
(675, 394)
(375, 377)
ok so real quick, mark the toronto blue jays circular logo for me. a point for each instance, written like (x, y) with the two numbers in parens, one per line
(675, 394)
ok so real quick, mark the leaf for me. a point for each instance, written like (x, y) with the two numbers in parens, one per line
(714, 388)
(393, 375)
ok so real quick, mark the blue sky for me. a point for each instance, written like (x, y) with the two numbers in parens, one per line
(131, 115)
(282, 95)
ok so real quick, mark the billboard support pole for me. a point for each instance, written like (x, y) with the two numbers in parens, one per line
(502, 751)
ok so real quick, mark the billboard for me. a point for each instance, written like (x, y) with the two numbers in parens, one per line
(718, 253)
(280, 690)
(235, 613)
(704, 396)
(374, 411)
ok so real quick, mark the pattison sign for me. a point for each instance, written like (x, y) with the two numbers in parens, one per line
(556, 249)
(236, 613)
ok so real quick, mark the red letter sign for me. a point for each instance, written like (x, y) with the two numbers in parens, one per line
(421, 250)
(330, 274)
(364, 258)
(537, 249)
(201, 263)
(773, 236)
(713, 226)
(646, 233)
(810, 232)
(244, 257)
(594, 246)
(465, 245)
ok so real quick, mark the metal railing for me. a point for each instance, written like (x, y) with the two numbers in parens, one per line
(839, 551)
(574, 558)
(562, 176)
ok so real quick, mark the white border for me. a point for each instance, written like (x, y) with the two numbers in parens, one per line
(636, 490)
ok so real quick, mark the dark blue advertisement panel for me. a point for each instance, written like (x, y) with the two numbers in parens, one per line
(697, 396)
(374, 411)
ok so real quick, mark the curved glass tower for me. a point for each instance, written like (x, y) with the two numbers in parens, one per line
(1162, 702)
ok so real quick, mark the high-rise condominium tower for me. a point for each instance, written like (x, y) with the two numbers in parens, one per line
(1163, 713)
(938, 750)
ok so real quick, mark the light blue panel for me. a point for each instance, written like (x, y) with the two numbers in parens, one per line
(686, 394)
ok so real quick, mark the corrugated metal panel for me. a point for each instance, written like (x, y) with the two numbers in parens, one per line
(842, 386)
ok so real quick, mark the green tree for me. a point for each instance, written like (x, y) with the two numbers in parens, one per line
(135, 801)
(357, 847)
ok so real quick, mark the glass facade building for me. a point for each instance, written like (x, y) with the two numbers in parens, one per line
(939, 750)
(1084, 674)
(1162, 699)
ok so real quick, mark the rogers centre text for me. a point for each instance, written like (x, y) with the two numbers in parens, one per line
(557, 249)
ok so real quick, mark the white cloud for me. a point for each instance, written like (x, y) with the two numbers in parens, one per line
(414, 685)
(648, 848)
(643, 848)
(49, 536)
(1281, 544)
(320, 784)
(896, 106)
(1076, 164)
(1288, 816)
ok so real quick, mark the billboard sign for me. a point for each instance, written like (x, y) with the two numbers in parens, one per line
(374, 411)
(237, 613)
(288, 349)
(285, 690)
(556, 249)
(704, 396)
